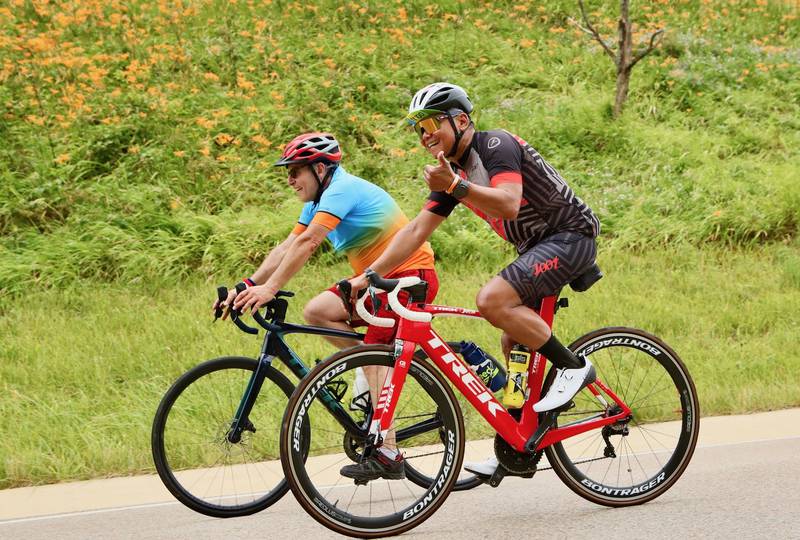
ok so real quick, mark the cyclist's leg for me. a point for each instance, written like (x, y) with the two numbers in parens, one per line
(541, 271)
(326, 309)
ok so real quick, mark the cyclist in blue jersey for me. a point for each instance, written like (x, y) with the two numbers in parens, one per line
(359, 219)
(505, 181)
(356, 216)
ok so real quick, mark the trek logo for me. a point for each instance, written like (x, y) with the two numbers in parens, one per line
(549, 264)
(385, 398)
(467, 377)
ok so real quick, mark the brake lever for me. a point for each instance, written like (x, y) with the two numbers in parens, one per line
(376, 304)
(345, 290)
(222, 295)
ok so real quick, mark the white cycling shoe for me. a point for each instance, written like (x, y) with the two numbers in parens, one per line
(568, 382)
(482, 468)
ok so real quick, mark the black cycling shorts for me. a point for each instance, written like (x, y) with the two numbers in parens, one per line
(549, 265)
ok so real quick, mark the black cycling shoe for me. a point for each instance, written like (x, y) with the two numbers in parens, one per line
(378, 465)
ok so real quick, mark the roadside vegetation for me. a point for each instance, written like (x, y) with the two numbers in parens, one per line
(135, 175)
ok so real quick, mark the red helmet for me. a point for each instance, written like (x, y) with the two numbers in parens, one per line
(311, 148)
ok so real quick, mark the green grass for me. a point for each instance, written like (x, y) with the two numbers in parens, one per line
(136, 164)
(83, 370)
(138, 143)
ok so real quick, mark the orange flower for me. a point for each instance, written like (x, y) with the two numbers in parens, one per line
(204, 123)
(223, 139)
(63, 158)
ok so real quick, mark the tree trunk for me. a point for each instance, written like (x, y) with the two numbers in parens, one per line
(623, 81)
(624, 58)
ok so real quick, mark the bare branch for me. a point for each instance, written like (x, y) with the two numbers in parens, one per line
(650, 47)
(577, 25)
(594, 32)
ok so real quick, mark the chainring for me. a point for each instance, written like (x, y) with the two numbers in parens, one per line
(513, 461)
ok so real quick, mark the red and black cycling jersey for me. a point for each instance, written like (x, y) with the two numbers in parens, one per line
(548, 206)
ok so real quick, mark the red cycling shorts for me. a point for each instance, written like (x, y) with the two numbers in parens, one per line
(378, 334)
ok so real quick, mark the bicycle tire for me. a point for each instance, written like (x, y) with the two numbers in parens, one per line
(656, 445)
(371, 510)
(191, 471)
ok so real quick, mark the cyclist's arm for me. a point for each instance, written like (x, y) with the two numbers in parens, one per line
(273, 260)
(407, 241)
(501, 201)
(296, 255)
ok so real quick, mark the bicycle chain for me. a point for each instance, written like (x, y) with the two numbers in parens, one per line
(576, 463)
(537, 461)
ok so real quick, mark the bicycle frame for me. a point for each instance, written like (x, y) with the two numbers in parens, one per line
(410, 334)
(274, 346)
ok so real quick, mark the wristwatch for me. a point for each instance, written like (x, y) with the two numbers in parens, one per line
(461, 189)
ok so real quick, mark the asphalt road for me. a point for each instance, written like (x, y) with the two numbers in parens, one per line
(739, 490)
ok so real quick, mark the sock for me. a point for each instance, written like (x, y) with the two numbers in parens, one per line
(560, 356)
(391, 454)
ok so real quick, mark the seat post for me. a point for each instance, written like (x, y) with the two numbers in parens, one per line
(548, 309)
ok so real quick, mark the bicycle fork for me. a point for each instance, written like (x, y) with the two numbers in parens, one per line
(241, 421)
(392, 386)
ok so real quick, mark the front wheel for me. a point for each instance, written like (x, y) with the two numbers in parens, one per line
(427, 428)
(191, 450)
(638, 459)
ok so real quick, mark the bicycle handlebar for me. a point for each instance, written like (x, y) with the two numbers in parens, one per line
(362, 311)
(392, 287)
(275, 308)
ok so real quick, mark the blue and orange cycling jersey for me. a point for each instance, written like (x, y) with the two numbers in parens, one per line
(362, 219)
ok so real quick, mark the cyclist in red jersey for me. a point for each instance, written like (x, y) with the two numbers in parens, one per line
(507, 183)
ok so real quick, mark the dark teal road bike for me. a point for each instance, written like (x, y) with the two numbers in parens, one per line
(215, 436)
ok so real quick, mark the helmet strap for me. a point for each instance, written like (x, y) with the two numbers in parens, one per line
(321, 184)
(459, 134)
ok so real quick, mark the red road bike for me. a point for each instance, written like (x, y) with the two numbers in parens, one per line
(623, 440)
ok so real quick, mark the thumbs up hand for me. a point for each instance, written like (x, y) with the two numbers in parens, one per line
(439, 176)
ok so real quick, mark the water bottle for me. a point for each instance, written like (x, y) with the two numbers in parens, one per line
(518, 362)
(482, 363)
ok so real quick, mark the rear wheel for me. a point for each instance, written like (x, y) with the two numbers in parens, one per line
(428, 429)
(192, 454)
(636, 460)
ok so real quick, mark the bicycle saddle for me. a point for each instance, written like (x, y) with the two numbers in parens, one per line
(591, 276)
